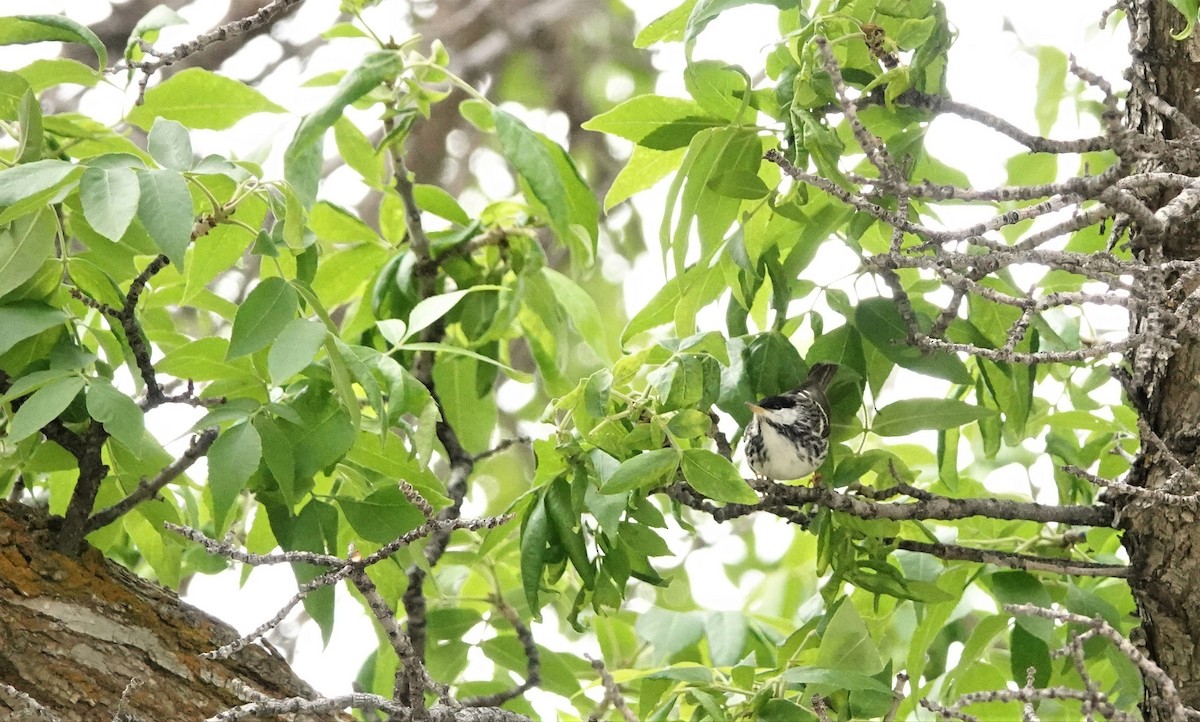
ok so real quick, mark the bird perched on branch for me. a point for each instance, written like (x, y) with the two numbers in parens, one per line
(788, 435)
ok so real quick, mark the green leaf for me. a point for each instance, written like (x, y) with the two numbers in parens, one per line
(668, 27)
(717, 86)
(25, 29)
(691, 203)
(440, 203)
(739, 183)
(325, 433)
(581, 308)
(199, 98)
(689, 424)
(50, 72)
(715, 477)
(535, 533)
(905, 417)
(647, 469)
(234, 456)
(564, 519)
(655, 121)
(878, 320)
(846, 643)
(29, 179)
(277, 454)
(13, 88)
(699, 284)
(357, 151)
(147, 28)
(170, 145)
(837, 678)
(120, 415)
(644, 168)
(457, 350)
(29, 116)
(165, 209)
(727, 633)
(706, 11)
(1025, 651)
(671, 632)
(773, 364)
(43, 407)
(431, 309)
(110, 199)
(24, 246)
(305, 149)
(1052, 84)
(295, 348)
(687, 381)
(382, 516)
(914, 32)
(262, 316)
(25, 319)
(554, 181)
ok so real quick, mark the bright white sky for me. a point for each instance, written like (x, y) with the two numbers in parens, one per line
(989, 68)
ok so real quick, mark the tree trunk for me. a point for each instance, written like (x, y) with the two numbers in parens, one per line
(75, 632)
(1162, 539)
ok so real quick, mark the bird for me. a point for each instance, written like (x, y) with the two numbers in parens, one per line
(788, 435)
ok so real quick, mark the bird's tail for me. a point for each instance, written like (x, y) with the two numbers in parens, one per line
(820, 375)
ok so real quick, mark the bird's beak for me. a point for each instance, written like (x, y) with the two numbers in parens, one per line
(756, 409)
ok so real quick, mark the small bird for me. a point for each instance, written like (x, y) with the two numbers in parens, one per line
(788, 436)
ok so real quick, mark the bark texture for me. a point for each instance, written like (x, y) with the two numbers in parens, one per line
(74, 632)
(1164, 540)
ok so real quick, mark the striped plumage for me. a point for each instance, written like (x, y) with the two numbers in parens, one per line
(788, 435)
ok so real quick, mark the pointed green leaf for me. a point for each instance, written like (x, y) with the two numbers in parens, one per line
(431, 309)
(644, 168)
(846, 643)
(739, 183)
(716, 477)
(440, 203)
(277, 453)
(43, 407)
(234, 456)
(295, 348)
(199, 98)
(646, 470)
(170, 145)
(262, 316)
(382, 516)
(25, 29)
(147, 29)
(29, 179)
(909, 415)
(120, 415)
(655, 121)
(878, 320)
(553, 180)
(24, 246)
(166, 211)
(110, 199)
(305, 148)
(564, 519)
(49, 72)
(29, 115)
(535, 533)
(25, 319)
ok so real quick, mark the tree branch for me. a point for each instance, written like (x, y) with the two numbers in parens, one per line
(147, 490)
(1012, 560)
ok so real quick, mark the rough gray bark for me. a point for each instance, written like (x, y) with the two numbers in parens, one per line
(1163, 545)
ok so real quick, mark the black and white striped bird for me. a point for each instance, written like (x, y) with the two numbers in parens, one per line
(788, 435)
